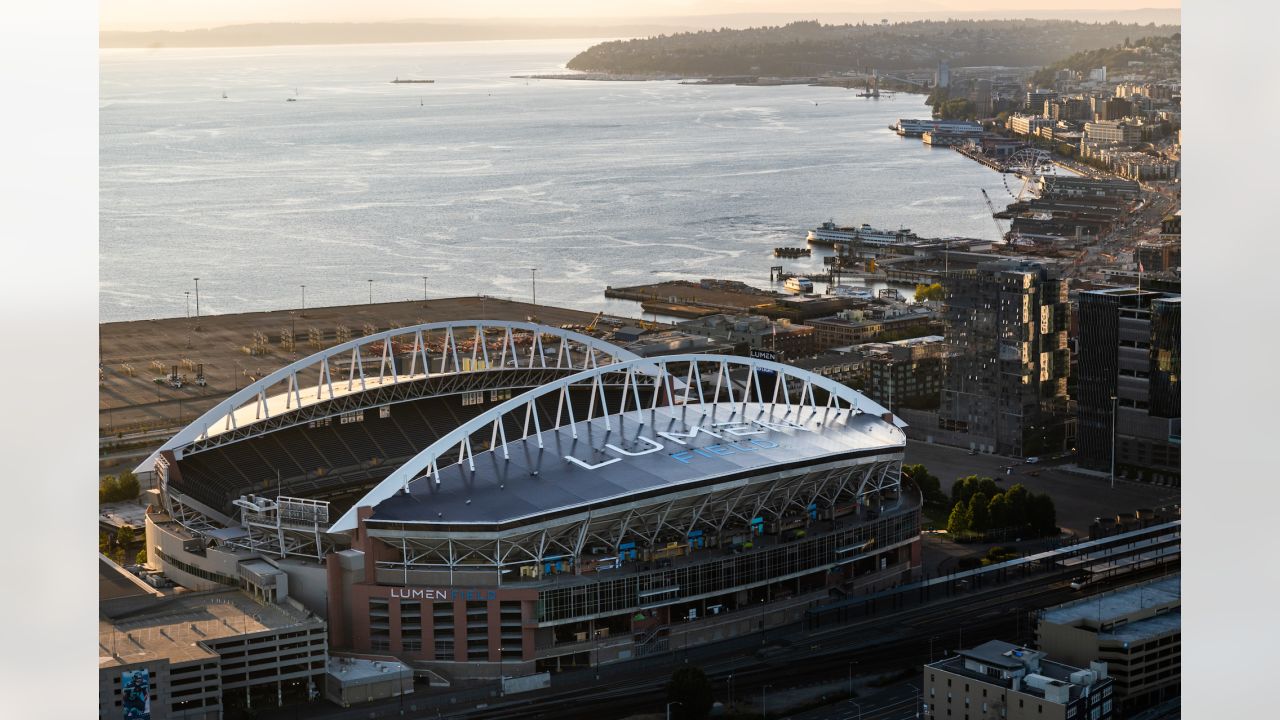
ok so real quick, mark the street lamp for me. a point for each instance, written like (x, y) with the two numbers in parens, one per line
(534, 273)
(188, 294)
(304, 297)
(370, 292)
(197, 299)
(764, 702)
(730, 690)
(855, 662)
(424, 288)
(673, 702)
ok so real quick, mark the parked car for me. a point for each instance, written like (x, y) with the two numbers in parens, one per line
(1032, 460)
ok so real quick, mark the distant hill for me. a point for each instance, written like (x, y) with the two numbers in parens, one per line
(441, 30)
(811, 48)
(259, 34)
(1163, 49)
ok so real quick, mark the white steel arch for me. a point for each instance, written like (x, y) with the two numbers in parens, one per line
(680, 385)
(467, 346)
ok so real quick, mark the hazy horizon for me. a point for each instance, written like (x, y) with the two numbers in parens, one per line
(166, 15)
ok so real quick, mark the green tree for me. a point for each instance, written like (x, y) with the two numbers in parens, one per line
(979, 519)
(959, 522)
(141, 557)
(998, 511)
(1019, 498)
(929, 484)
(104, 542)
(930, 292)
(1042, 516)
(125, 537)
(690, 687)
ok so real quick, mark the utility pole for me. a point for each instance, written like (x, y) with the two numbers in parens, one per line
(304, 297)
(764, 702)
(424, 288)
(371, 292)
(534, 273)
(188, 294)
(197, 301)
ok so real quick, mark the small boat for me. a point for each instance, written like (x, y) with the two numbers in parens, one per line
(291, 99)
(224, 96)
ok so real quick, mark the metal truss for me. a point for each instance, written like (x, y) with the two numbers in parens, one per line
(725, 510)
(674, 380)
(285, 526)
(412, 355)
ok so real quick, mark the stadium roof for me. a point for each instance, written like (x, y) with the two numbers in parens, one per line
(630, 461)
(816, 431)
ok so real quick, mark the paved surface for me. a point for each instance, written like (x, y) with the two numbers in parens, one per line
(1078, 498)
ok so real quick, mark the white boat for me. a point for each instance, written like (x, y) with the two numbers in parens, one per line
(908, 127)
(828, 233)
(857, 293)
(799, 285)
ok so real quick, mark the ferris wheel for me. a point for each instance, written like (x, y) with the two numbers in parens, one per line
(1027, 166)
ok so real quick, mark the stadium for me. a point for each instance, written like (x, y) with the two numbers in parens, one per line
(489, 498)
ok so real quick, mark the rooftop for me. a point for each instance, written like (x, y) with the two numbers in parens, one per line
(1110, 606)
(175, 628)
(560, 478)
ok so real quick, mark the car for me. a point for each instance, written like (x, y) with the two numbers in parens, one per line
(1032, 460)
(973, 452)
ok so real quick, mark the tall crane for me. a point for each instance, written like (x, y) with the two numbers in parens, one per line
(991, 206)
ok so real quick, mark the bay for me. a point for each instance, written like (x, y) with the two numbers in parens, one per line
(478, 177)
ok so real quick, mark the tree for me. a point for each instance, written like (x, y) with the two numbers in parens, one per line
(141, 557)
(998, 511)
(960, 520)
(929, 484)
(932, 292)
(979, 518)
(1018, 497)
(1041, 515)
(124, 537)
(690, 687)
(104, 542)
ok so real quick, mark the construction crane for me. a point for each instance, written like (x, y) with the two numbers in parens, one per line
(594, 321)
(991, 206)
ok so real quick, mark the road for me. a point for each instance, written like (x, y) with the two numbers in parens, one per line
(1078, 498)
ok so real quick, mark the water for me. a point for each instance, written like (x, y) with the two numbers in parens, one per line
(477, 178)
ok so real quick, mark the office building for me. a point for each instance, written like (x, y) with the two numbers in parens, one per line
(1129, 383)
(754, 332)
(906, 373)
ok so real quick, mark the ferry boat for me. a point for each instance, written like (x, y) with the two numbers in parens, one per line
(828, 233)
(909, 127)
(799, 285)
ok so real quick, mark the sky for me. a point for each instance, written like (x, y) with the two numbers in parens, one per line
(189, 14)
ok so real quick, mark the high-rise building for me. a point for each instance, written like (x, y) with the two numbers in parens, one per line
(982, 97)
(1006, 385)
(1129, 383)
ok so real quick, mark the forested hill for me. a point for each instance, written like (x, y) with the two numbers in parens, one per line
(1163, 50)
(810, 48)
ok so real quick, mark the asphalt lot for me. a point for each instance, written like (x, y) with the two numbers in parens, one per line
(1078, 498)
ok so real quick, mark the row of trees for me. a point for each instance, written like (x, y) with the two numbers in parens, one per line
(114, 489)
(118, 547)
(979, 506)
